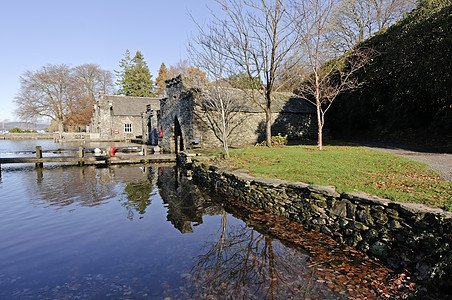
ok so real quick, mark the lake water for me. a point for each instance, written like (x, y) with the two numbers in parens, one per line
(140, 232)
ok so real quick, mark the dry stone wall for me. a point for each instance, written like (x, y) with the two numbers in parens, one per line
(405, 235)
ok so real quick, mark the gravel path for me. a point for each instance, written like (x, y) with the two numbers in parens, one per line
(439, 162)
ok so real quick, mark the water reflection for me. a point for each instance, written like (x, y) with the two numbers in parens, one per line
(263, 256)
(185, 202)
(139, 193)
(61, 187)
(244, 264)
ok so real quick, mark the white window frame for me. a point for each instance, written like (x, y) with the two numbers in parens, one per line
(128, 127)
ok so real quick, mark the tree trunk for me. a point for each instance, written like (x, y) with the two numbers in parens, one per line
(60, 128)
(320, 129)
(225, 141)
(268, 126)
(319, 113)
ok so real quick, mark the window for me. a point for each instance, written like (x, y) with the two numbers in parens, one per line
(127, 127)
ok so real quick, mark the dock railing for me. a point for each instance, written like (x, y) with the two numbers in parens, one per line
(83, 156)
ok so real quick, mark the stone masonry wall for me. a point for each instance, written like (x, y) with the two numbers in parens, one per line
(178, 106)
(117, 122)
(404, 235)
(249, 128)
(184, 106)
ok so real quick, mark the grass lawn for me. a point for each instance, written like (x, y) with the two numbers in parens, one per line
(349, 169)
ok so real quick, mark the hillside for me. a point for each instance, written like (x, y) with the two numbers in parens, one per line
(407, 95)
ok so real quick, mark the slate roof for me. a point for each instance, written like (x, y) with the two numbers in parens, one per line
(282, 101)
(132, 106)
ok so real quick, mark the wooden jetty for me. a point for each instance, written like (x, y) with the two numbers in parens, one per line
(103, 156)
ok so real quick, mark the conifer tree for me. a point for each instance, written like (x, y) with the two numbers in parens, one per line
(160, 81)
(135, 78)
(124, 74)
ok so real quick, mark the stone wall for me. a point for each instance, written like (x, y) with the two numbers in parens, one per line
(176, 110)
(404, 235)
(112, 112)
(185, 107)
(117, 122)
(249, 128)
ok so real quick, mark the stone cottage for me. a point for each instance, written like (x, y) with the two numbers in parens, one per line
(186, 120)
(124, 117)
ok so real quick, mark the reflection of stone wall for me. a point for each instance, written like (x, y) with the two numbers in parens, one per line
(404, 235)
(186, 204)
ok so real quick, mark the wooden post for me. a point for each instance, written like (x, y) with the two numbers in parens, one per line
(81, 154)
(107, 158)
(39, 175)
(144, 149)
(39, 155)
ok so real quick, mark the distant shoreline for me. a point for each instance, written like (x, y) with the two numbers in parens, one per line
(28, 136)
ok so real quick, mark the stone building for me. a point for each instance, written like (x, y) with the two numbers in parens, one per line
(124, 117)
(186, 120)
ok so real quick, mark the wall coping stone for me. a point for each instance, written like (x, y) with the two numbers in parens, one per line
(297, 185)
(415, 208)
(245, 176)
(367, 198)
(269, 181)
(241, 171)
(327, 190)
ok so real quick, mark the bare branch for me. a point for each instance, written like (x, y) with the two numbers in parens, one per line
(64, 94)
(258, 38)
(329, 74)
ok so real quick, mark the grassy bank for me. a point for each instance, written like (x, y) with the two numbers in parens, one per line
(349, 169)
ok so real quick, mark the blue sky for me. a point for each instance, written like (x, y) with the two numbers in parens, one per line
(34, 33)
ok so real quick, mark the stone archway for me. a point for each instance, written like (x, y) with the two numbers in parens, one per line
(178, 137)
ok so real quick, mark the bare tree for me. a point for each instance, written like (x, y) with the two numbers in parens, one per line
(61, 93)
(44, 93)
(192, 76)
(87, 82)
(353, 21)
(179, 68)
(258, 38)
(221, 108)
(329, 74)
(222, 111)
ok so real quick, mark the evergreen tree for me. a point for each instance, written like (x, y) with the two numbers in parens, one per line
(135, 78)
(160, 81)
(123, 81)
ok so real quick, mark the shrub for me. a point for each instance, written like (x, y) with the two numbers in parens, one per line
(277, 140)
(16, 130)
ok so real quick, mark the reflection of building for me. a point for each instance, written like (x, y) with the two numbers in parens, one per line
(122, 117)
(186, 203)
